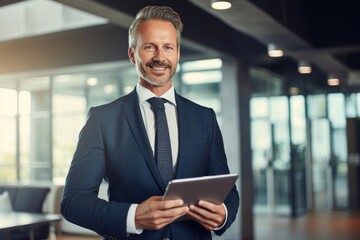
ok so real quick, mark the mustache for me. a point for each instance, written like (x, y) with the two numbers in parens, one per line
(158, 64)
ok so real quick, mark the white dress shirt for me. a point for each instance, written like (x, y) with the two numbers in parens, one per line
(149, 120)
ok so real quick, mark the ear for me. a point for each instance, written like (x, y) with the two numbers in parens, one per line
(178, 54)
(131, 55)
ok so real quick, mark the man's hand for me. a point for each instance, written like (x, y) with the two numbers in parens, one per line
(154, 213)
(208, 214)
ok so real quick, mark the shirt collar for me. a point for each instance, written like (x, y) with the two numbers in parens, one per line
(144, 94)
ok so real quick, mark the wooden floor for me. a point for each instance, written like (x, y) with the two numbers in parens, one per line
(329, 225)
(75, 237)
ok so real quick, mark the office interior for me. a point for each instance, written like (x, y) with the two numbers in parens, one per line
(290, 122)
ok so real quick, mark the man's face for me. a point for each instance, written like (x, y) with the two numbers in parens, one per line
(156, 53)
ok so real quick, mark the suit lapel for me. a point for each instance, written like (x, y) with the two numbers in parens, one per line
(182, 164)
(135, 121)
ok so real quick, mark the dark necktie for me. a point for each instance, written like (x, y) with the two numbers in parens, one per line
(162, 140)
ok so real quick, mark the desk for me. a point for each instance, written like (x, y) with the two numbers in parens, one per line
(23, 221)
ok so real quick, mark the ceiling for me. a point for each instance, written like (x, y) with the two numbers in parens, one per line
(325, 33)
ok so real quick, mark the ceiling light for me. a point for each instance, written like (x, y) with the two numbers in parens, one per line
(294, 90)
(128, 89)
(275, 51)
(109, 88)
(304, 67)
(220, 4)
(92, 81)
(333, 80)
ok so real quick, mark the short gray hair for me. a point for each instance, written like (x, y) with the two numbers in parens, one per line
(155, 13)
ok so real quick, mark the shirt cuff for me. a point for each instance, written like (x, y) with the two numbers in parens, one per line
(130, 221)
(226, 216)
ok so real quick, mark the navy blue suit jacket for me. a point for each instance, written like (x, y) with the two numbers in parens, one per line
(113, 145)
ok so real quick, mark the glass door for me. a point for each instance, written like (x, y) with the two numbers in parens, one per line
(321, 170)
(328, 137)
(271, 154)
(339, 150)
(261, 153)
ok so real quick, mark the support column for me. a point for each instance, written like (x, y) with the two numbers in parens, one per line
(235, 98)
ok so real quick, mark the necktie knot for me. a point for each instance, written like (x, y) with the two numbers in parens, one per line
(157, 103)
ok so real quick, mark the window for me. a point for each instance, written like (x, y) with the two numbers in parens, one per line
(8, 106)
(69, 114)
(42, 116)
(200, 82)
(35, 129)
(34, 17)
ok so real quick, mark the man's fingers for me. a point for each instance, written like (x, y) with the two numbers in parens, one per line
(154, 213)
(167, 204)
(206, 223)
(208, 214)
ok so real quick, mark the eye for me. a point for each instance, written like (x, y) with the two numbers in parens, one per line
(169, 48)
(149, 47)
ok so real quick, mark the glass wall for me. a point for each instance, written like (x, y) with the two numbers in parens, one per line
(200, 82)
(8, 136)
(41, 117)
(299, 146)
(270, 143)
(339, 153)
(35, 128)
(68, 116)
(320, 151)
(327, 117)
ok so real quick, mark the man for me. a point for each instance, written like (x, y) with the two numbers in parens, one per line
(117, 144)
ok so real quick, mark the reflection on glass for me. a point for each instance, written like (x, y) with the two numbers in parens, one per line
(8, 107)
(320, 141)
(351, 105)
(24, 133)
(66, 127)
(321, 155)
(259, 107)
(200, 82)
(298, 120)
(316, 106)
(358, 104)
(35, 127)
(262, 139)
(270, 143)
(279, 116)
(206, 64)
(339, 159)
(336, 109)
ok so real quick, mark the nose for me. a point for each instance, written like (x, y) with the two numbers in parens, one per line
(159, 55)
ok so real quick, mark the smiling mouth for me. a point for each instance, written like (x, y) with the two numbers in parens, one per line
(157, 66)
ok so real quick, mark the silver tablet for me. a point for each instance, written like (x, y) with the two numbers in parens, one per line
(209, 188)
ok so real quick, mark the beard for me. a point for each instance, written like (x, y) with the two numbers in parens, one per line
(153, 78)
